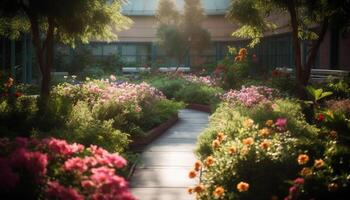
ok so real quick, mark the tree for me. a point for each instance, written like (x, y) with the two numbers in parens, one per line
(178, 33)
(67, 21)
(304, 15)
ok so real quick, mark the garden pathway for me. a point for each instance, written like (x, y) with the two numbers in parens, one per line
(162, 173)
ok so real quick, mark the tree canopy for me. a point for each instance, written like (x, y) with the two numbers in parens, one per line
(309, 20)
(180, 33)
(66, 21)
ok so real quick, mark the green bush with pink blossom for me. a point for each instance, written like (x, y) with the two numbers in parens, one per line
(53, 169)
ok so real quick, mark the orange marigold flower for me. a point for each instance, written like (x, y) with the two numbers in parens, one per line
(197, 165)
(269, 122)
(215, 144)
(242, 186)
(303, 159)
(306, 171)
(265, 132)
(190, 190)
(199, 188)
(248, 123)
(243, 51)
(192, 174)
(319, 163)
(248, 141)
(220, 136)
(219, 191)
(209, 161)
(232, 150)
(238, 58)
(265, 144)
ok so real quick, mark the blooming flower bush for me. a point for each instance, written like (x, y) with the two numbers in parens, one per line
(250, 96)
(53, 169)
(205, 80)
(268, 151)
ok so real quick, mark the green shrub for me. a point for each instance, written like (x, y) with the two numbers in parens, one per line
(168, 86)
(199, 94)
(83, 127)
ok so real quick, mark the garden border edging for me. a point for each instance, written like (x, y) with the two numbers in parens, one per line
(199, 107)
(139, 143)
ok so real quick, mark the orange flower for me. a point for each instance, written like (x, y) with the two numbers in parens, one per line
(319, 163)
(192, 174)
(265, 132)
(9, 82)
(303, 159)
(238, 58)
(197, 165)
(306, 171)
(243, 51)
(242, 186)
(209, 161)
(248, 141)
(199, 188)
(232, 150)
(248, 123)
(221, 136)
(216, 144)
(219, 191)
(269, 122)
(265, 144)
(190, 190)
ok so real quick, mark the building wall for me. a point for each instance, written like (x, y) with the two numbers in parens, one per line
(144, 29)
(344, 52)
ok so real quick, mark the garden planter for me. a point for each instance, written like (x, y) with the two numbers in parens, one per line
(139, 143)
(199, 107)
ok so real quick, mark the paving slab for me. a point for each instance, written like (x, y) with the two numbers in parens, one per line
(162, 194)
(164, 159)
(162, 172)
(162, 177)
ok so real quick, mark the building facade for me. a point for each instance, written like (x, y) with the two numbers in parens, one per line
(137, 46)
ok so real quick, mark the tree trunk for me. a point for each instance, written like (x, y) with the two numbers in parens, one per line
(42, 50)
(313, 53)
(46, 79)
(297, 49)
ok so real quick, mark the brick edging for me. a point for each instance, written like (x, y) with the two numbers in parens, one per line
(199, 107)
(140, 142)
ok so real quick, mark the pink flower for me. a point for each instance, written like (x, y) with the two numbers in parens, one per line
(59, 192)
(75, 164)
(281, 123)
(114, 160)
(101, 174)
(87, 184)
(34, 163)
(61, 147)
(299, 181)
(293, 190)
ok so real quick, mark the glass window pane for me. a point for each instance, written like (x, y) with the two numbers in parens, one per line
(110, 49)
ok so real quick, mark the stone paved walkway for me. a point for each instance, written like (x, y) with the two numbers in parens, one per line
(162, 173)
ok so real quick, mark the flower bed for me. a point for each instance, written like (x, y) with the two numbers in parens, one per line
(53, 169)
(267, 150)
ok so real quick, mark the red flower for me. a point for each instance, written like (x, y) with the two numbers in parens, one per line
(320, 117)
(17, 94)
